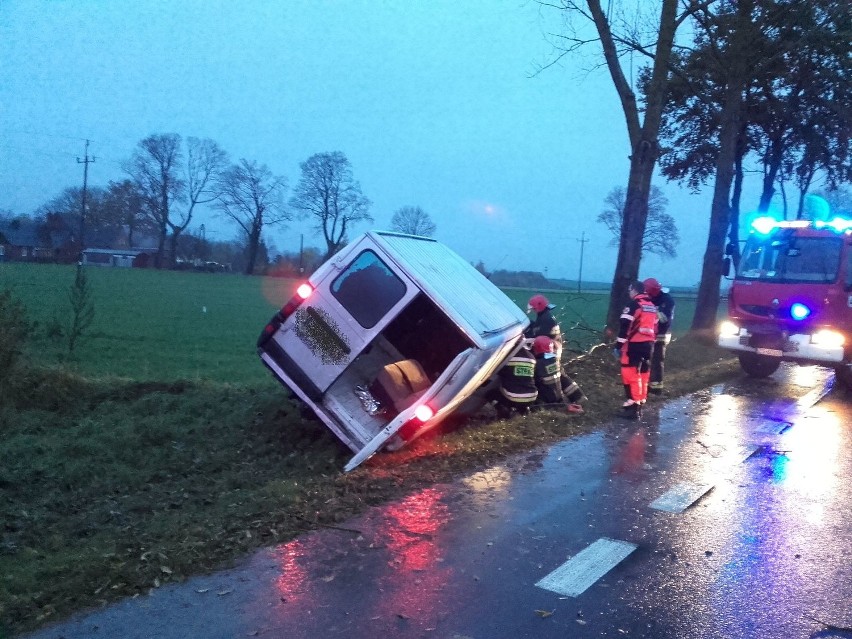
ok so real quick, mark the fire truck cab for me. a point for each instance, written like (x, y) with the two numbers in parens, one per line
(791, 297)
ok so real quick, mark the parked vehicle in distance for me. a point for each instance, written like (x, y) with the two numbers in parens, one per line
(791, 298)
(389, 337)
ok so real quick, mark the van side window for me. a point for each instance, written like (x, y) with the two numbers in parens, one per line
(367, 289)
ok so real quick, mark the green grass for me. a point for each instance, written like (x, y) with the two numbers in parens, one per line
(151, 325)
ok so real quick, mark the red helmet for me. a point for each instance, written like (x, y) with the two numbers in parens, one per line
(538, 303)
(542, 344)
(652, 287)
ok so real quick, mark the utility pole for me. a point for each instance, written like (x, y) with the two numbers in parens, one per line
(582, 242)
(85, 162)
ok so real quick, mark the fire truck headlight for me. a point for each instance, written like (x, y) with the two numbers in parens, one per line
(728, 329)
(799, 311)
(828, 339)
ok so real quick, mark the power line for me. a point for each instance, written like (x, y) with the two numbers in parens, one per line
(85, 162)
(582, 242)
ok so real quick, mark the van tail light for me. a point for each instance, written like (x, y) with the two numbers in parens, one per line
(303, 292)
(422, 414)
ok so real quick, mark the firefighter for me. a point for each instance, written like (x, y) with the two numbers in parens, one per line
(636, 335)
(665, 316)
(554, 386)
(517, 391)
(544, 323)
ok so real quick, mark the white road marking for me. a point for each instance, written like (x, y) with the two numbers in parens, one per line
(680, 497)
(772, 428)
(747, 451)
(573, 577)
(811, 398)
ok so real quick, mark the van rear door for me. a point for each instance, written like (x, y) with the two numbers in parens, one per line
(353, 300)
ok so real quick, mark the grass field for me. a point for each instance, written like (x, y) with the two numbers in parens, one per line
(166, 325)
(151, 325)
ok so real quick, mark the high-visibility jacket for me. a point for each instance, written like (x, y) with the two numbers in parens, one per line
(638, 322)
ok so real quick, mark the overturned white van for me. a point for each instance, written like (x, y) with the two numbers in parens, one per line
(389, 337)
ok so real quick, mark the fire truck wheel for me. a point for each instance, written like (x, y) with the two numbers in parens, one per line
(758, 365)
(843, 375)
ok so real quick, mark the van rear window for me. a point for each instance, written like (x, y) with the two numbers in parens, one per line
(367, 289)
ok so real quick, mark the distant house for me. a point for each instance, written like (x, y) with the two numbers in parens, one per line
(19, 239)
(26, 240)
(126, 258)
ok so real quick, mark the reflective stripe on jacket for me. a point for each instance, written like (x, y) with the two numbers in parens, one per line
(517, 378)
(638, 321)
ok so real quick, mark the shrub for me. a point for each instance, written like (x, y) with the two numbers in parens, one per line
(14, 331)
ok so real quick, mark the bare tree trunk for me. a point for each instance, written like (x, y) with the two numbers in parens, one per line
(253, 243)
(772, 166)
(707, 303)
(643, 144)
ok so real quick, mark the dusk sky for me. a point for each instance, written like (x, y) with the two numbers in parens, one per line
(436, 104)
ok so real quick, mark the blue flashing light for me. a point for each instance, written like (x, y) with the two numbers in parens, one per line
(764, 225)
(839, 224)
(799, 311)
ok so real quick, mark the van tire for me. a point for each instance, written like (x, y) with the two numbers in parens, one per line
(758, 366)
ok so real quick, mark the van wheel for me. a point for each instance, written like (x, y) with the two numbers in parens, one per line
(843, 375)
(758, 365)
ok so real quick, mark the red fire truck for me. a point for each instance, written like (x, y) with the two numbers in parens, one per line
(791, 298)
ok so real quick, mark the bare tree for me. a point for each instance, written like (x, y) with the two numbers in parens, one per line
(123, 205)
(731, 38)
(661, 235)
(329, 194)
(154, 169)
(414, 221)
(643, 133)
(252, 197)
(204, 162)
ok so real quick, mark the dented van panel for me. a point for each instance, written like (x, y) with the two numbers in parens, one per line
(389, 337)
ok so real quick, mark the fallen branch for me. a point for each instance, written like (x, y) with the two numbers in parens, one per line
(316, 523)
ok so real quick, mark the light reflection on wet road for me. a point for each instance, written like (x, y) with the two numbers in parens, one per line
(768, 543)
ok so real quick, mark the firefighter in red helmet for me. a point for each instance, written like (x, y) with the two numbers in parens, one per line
(665, 315)
(555, 388)
(544, 323)
(636, 335)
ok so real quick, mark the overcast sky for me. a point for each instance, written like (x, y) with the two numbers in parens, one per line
(436, 104)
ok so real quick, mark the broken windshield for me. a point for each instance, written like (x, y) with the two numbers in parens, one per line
(784, 257)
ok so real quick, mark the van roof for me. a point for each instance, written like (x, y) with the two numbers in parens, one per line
(469, 298)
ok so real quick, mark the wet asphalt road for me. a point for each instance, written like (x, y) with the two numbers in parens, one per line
(733, 511)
